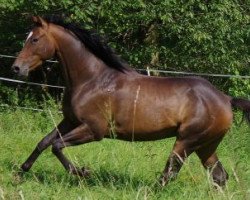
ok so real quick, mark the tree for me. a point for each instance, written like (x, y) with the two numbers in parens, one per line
(195, 36)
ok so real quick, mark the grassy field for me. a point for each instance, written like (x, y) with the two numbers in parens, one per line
(120, 170)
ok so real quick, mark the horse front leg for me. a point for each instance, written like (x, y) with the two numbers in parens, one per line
(80, 135)
(62, 128)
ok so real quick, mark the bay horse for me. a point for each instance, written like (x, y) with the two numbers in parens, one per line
(103, 93)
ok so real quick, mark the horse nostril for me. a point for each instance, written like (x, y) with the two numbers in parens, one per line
(16, 69)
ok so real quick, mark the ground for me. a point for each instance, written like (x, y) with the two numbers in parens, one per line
(120, 170)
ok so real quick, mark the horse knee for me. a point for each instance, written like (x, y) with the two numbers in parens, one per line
(56, 147)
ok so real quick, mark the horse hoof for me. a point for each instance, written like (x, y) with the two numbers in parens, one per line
(83, 172)
(86, 172)
(162, 182)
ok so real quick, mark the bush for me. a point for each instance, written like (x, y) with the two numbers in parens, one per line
(195, 36)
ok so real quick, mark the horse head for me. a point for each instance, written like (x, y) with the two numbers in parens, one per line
(39, 46)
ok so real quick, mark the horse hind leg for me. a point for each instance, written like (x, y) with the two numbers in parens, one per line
(175, 161)
(211, 162)
(188, 141)
(193, 138)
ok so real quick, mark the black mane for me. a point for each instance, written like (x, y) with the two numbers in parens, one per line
(93, 42)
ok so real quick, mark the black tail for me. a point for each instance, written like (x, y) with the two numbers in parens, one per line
(243, 105)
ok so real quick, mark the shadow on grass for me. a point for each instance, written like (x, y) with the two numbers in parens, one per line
(101, 178)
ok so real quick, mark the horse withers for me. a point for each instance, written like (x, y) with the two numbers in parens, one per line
(102, 90)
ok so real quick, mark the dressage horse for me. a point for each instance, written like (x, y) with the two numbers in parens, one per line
(104, 93)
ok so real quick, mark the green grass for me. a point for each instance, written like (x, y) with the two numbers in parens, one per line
(120, 170)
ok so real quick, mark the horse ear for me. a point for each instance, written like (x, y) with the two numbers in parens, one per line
(39, 21)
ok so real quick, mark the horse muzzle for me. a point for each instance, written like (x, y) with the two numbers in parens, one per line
(20, 71)
(22, 68)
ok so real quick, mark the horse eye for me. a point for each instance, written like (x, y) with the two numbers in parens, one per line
(34, 40)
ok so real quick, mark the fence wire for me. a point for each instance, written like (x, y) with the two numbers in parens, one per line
(30, 83)
(148, 71)
(26, 108)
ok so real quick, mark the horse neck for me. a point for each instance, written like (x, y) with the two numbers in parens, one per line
(79, 64)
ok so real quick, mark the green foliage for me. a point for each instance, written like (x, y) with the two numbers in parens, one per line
(195, 36)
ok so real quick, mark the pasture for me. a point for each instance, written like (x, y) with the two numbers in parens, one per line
(120, 170)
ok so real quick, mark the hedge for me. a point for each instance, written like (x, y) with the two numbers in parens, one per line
(193, 36)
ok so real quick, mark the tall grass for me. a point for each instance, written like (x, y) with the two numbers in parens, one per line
(120, 170)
